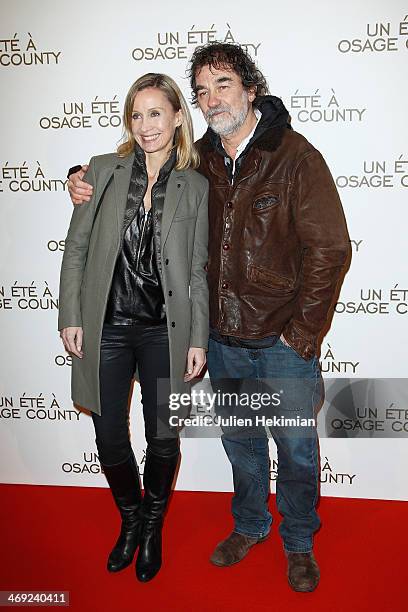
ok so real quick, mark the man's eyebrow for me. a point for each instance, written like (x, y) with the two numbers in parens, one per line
(223, 79)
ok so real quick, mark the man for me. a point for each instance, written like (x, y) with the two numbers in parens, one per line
(278, 244)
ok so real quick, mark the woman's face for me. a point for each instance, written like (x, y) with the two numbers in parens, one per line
(154, 120)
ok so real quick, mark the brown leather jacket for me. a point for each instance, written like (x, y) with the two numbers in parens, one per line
(278, 238)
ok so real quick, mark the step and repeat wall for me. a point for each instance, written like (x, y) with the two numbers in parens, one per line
(340, 68)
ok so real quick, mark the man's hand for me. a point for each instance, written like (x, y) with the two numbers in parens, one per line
(196, 359)
(72, 340)
(79, 191)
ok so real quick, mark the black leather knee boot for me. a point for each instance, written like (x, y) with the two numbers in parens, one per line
(158, 477)
(124, 482)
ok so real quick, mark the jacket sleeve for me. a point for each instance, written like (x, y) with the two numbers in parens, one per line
(75, 255)
(198, 278)
(322, 231)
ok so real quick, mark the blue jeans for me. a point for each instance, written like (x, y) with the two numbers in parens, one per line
(298, 460)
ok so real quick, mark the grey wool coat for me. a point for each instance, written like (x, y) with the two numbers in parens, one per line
(91, 248)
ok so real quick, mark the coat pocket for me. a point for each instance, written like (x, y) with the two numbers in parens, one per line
(265, 202)
(279, 284)
(186, 218)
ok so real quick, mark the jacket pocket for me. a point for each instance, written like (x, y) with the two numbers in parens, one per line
(280, 284)
(266, 202)
(187, 218)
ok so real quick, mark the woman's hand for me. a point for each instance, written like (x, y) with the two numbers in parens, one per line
(196, 359)
(72, 340)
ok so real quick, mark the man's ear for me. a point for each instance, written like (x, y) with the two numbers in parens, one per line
(252, 93)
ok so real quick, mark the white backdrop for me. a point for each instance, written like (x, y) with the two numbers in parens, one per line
(65, 68)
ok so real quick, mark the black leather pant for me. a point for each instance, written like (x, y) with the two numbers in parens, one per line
(122, 348)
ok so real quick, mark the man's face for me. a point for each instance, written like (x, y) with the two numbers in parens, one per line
(223, 99)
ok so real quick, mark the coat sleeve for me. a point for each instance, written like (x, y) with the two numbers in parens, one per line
(75, 255)
(198, 278)
(322, 231)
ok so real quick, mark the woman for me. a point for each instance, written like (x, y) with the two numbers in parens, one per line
(133, 295)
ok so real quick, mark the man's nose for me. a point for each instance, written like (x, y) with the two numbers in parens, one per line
(213, 100)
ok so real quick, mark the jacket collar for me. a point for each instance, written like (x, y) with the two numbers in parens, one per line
(140, 161)
(126, 162)
(174, 191)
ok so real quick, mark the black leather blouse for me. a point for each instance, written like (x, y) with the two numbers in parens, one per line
(136, 294)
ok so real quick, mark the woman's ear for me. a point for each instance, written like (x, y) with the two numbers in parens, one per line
(179, 118)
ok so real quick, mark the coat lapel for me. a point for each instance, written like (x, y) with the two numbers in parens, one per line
(174, 191)
(122, 174)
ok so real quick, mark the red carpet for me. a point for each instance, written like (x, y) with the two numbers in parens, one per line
(57, 538)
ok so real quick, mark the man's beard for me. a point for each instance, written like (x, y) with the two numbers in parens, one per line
(230, 122)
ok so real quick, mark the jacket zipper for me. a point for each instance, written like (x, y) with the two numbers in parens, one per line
(141, 240)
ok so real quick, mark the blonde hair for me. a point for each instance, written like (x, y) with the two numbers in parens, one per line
(187, 155)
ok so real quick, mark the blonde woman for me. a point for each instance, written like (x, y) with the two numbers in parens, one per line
(133, 296)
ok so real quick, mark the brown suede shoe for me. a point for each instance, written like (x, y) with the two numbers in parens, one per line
(303, 571)
(233, 549)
